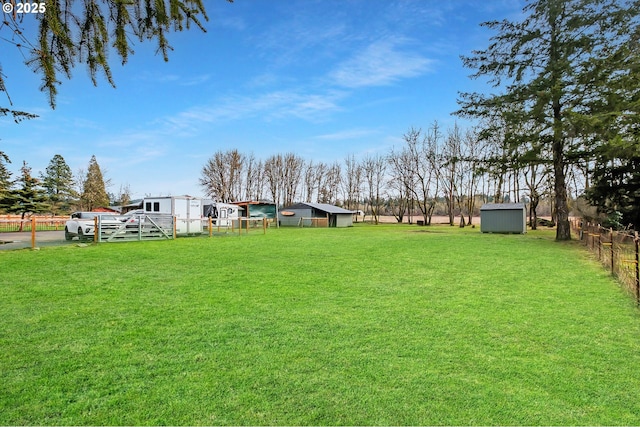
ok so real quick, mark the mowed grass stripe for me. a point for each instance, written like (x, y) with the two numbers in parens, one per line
(366, 325)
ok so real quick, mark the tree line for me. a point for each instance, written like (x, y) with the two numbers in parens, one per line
(565, 114)
(57, 190)
(451, 170)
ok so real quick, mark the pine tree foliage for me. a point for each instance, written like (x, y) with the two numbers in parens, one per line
(5, 174)
(549, 68)
(58, 183)
(5, 181)
(28, 196)
(72, 32)
(615, 188)
(94, 192)
(17, 116)
(616, 182)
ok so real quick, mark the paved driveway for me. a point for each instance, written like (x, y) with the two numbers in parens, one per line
(23, 240)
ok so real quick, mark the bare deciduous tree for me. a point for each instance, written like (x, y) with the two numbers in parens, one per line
(254, 181)
(352, 182)
(222, 176)
(420, 153)
(292, 166)
(329, 178)
(310, 181)
(374, 167)
(274, 176)
(400, 183)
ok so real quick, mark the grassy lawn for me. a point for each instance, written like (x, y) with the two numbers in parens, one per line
(367, 325)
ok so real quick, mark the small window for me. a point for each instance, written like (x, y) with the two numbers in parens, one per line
(147, 206)
(156, 206)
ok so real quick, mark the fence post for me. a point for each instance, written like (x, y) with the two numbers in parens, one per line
(612, 265)
(599, 243)
(636, 240)
(175, 228)
(33, 232)
(210, 226)
(96, 229)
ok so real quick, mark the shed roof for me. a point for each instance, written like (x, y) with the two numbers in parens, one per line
(502, 206)
(324, 207)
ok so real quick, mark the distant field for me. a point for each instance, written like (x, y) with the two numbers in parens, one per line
(389, 324)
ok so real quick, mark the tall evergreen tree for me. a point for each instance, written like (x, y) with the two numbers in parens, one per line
(545, 66)
(94, 192)
(58, 183)
(615, 188)
(615, 119)
(5, 181)
(28, 196)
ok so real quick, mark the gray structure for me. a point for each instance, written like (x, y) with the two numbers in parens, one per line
(315, 215)
(503, 218)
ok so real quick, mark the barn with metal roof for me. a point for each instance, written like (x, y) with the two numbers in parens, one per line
(315, 215)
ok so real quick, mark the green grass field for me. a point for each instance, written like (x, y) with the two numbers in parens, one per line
(367, 325)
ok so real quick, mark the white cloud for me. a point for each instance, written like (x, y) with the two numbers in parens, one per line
(347, 134)
(380, 64)
(269, 106)
(176, 79)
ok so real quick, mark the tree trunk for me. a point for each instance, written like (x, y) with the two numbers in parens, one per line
(21, 228)
(533, 215)
(563, 230)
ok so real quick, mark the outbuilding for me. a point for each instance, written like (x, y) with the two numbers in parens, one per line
(186, 210)
(258, 209)
(503, 218)
(315, 215)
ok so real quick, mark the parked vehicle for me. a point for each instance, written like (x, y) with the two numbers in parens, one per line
(222, 214)
(133, 218)
(82, 224)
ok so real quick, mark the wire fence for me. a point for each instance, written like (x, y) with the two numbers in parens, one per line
(616, 250)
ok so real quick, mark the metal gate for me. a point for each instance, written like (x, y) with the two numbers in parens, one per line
(137, 228)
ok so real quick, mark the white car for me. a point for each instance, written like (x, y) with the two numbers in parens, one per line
(133, 218)
(82, 224)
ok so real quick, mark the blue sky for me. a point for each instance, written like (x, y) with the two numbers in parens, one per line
(323, 79)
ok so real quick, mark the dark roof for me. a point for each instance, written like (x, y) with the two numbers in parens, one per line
(502, 206)
(324, 207)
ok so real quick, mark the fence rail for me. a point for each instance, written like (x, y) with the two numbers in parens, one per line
(313, 222)
(138, 227)
(11, 223)
(616, 250)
